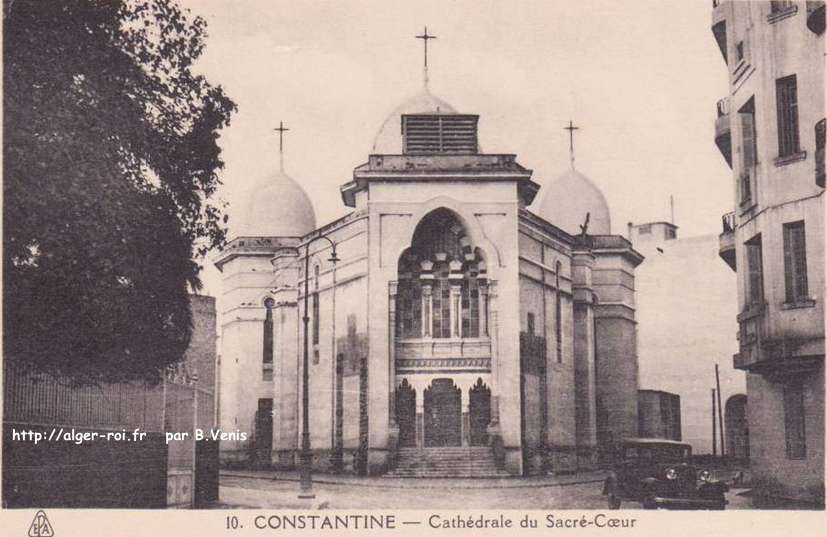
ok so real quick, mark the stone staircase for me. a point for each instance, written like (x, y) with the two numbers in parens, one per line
(446, 462)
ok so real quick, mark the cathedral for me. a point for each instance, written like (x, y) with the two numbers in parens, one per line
(439, 315)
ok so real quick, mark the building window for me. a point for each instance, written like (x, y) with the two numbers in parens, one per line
(794, 421)
(409, 304)
(441, 302)
(755, 282)
(558, 313)
(820, 153)
(431, 301)
(739, 51)
(669, 233)
(786, 95)
(267, 340)
(645, 229)
(795, 262)
(470, 304)
(316, 306)
(530, 323)
(749, 149)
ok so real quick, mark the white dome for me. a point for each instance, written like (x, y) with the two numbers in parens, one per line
(567, 200)
(277, 207)
(388, 140)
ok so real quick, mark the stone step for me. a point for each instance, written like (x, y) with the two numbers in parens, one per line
(429, 474)
(449, 462)
(445, 448)
(445, 460)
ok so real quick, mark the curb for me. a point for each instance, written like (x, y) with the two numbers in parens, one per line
(412, 483)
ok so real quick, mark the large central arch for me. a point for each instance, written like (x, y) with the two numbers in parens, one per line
(440, 280)
(469, 222)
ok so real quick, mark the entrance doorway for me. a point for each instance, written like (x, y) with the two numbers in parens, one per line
(737, 427)
(263, 442)
(479, 408)
(443, 414)
(406, 414)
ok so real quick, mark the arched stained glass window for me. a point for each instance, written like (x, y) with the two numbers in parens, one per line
(428, 291)
(409, 301)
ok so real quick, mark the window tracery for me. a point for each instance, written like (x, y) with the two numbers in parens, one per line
(441, 281)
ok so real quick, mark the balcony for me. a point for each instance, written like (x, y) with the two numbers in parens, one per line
(723, 135)
(443, 354)
(726, 240)
(778, 359)
(815, 17)
(752, 331)
(719, 10)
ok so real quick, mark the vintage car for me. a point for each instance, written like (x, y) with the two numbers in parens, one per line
(657, 473)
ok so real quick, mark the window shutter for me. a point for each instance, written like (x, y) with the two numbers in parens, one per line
(800, 256)
(795, 261)
(425, 134)
(787, 105)
(748, 140)
(789, 264)
(756, 283)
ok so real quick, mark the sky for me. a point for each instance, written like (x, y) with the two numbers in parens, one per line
(640, 79)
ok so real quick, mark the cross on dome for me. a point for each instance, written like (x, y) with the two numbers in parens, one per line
(571, 128)
(425, 37)
(281, 129)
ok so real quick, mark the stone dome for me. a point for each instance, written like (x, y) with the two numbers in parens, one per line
(388, 140)
(277, 207)
(567, 200)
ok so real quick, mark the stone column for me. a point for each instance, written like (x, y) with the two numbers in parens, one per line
(392, 287)
(426, 310)
(455, 277)
(426, 278)
(494, 427)
(466, 423)
(420, 421)
(483, 309)
(456, 311)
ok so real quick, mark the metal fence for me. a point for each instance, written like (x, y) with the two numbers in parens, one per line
(155, 473)
(39, 399)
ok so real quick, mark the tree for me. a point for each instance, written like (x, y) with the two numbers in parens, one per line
(110, 168)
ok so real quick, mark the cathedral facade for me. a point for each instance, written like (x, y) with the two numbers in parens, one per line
(452, 317)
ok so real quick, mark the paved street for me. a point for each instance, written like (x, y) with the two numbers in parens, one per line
(253, 490)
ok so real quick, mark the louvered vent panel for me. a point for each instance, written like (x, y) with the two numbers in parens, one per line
(427, 134)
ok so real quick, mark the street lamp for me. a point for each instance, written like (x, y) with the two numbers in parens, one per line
(194, 381)
(305, 475)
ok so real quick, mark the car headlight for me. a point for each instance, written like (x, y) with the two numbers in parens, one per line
(671, 474)
(704, 475)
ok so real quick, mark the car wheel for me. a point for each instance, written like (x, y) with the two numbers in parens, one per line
(649, 503)
(614, 501)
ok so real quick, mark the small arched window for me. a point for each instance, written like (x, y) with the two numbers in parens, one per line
(267, 340)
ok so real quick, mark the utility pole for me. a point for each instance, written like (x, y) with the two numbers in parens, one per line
(714, 428)
(720, 410)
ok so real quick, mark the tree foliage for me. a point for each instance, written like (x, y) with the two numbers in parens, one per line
(110, 165)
